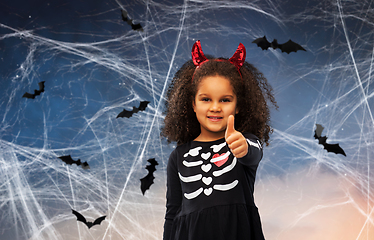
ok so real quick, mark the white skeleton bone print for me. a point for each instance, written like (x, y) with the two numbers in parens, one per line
(206, 166)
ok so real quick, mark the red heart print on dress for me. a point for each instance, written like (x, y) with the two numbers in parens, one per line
(220, 162)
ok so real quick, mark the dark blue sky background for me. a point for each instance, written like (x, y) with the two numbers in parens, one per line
(94, 66)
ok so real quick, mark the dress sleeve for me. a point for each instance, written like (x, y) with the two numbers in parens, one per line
(254, 154)
(173, 194)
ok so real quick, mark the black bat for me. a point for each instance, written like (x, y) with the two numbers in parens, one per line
(36, 92)
(125, 18)
(335, 148)
(147, 181)
(83, 219)
(70, 161)
(287, 47)
(128, 114)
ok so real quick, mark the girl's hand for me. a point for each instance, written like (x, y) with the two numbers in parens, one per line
(235, 140)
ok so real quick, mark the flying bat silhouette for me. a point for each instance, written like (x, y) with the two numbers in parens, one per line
(128, 114)
(36, 92)
(125, 18)
(335, 148)
(147, 181)
(70, 161)
(287, 47)
(83, 219)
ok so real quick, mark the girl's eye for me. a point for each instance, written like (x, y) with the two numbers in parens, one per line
(225, 100)
(205, 99)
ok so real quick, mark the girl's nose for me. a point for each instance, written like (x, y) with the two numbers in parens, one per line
(215, 107)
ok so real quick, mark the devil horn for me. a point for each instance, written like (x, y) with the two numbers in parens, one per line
(239, 56)
(198, 56)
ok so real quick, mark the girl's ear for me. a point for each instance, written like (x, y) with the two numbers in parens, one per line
(237, 110)
(193, 105)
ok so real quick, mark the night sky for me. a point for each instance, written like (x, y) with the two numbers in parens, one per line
(95, 66)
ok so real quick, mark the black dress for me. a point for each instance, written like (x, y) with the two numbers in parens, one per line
(210, 192)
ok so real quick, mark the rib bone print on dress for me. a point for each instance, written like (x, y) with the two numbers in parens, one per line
(208, 166)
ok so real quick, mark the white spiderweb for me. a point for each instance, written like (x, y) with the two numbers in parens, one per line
(94, 66)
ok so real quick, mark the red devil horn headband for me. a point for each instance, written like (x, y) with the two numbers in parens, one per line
(199, 58)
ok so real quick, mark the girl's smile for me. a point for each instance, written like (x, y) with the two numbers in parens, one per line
(215, 118)
(214, 102)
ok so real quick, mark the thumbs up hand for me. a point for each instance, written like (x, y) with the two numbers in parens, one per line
(235, 140)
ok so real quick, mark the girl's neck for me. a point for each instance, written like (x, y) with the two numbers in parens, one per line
(205, 138)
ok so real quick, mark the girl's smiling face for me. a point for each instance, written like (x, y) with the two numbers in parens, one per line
(214, 102)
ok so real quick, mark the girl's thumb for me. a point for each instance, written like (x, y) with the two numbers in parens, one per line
(230, 126)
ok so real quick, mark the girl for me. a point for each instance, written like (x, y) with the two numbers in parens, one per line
(217, 112)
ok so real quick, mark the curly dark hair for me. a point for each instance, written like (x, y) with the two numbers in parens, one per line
(252, 90)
